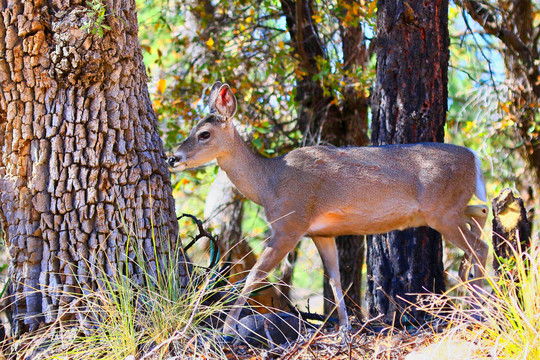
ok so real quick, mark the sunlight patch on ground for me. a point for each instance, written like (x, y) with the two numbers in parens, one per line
(447, 349)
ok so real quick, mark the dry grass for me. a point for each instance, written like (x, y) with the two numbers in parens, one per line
(162, 321)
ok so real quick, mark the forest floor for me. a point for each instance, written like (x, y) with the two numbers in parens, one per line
(396, 344)
(435, 340)
(504, 324)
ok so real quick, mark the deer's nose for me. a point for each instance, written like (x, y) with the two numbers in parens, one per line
(172, 160)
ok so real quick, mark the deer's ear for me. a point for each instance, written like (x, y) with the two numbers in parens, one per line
(213, 96)
(225, 103)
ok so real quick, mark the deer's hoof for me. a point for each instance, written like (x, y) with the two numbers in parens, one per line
(345, 333)
(228, 339)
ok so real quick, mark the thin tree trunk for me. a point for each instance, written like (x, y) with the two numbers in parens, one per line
(409, 105)
(82, 165)
(224, 209)
(511, 241)
(524, 91)
(351, 259)
(511, 231)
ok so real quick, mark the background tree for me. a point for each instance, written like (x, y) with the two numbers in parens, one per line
(408, 105)
(515, 24)
(330, 113)
(82, 164)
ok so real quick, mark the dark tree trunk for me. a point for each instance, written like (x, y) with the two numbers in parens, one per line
(80, 155)
(313, 104)
(322, 119)
(511, 229)
(409, 105)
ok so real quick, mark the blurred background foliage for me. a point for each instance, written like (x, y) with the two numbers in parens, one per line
(188, 45)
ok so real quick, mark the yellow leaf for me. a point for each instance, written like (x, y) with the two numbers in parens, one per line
(371, 8)
(194, 103)
(161, 85)
(317, 18)
(146, 48)
(281, 44)
(249, 19)
(242, 27)
(210, 43)
(355, 10)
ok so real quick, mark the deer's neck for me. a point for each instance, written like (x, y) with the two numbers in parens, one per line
(246, 170)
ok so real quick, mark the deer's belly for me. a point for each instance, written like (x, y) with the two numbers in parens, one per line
(337, 223)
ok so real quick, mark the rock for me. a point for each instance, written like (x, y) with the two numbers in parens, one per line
(268, 330)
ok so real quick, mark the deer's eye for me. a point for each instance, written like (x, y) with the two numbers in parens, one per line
(205, 135)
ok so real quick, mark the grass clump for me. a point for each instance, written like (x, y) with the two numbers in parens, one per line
(134, 317)
(512, 311)
(502, 322)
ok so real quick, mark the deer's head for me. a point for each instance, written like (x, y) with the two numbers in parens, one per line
(212, 136)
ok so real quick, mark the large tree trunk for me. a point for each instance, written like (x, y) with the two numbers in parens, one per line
(82, 164)
(409, 105)
(322, 119)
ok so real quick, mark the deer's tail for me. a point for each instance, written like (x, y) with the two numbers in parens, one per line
(480, 191)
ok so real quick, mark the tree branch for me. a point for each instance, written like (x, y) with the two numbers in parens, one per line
(488, 20)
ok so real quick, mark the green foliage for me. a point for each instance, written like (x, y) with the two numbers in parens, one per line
(479, 114)
(96, 18)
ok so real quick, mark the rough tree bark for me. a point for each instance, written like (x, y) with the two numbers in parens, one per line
(511, 241)
(322, 118)
(408, 105)
(80, 151)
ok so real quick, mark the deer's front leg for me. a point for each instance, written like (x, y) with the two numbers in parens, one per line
(279, 245)
(329, 255)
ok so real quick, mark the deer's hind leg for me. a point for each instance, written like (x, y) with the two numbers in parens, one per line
(464, 230)
(475, 219)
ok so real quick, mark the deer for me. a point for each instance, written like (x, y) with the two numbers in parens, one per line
(323, 191)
